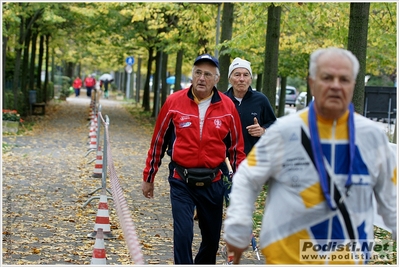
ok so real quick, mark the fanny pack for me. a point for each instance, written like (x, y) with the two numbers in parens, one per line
(197, 177)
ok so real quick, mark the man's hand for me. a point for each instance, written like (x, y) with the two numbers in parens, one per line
(255, 129)
(148, 189)
(237, 252)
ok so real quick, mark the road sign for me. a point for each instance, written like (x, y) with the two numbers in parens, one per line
(130, 60)
(128, 69)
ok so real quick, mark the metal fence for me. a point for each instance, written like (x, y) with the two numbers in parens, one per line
(380, 103)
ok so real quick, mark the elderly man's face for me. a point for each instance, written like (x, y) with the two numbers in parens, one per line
(204, 79)
(333, 86)
(240, 79)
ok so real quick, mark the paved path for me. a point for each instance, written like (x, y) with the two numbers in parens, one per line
(46, 181)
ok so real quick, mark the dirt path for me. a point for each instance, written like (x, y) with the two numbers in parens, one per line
(46, 181)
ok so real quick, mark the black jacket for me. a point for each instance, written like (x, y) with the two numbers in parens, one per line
(254, 104)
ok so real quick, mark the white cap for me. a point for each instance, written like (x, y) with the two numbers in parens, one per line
(240, 63)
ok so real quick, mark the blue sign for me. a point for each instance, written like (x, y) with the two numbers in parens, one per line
(130, 60)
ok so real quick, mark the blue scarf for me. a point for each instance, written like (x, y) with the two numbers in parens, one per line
(318, 153)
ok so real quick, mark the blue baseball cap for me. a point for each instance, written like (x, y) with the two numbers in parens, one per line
(207, 57)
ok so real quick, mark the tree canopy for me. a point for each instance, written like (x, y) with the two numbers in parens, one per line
(98, 36)
(101, 34)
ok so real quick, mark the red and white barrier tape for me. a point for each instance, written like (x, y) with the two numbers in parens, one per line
(122, 209)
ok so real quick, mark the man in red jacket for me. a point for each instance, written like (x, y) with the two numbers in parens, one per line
(77, 84)
(197, 125)
(90, 82)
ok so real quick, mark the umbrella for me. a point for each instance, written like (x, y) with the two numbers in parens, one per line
(171, 80)
(106, 76)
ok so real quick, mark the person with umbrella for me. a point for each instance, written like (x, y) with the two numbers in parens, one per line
(106, 79)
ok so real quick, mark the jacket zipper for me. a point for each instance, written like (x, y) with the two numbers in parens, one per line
(333, 130)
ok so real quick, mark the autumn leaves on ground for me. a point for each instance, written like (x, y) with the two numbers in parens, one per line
(47, 178)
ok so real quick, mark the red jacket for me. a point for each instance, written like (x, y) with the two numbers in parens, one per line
(178, 130)
(77, 83)
(90, 82)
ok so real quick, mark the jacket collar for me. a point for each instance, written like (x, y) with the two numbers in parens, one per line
(215, 98)
(230, 94)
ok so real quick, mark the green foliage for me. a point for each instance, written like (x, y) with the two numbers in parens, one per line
(99, 35)
(383, 235)
(10, 65)
(380, 81)
(62, 80)
(65, 90)
(11, 115)
(297, 82)
(113, 87)
(6, 147)
(9, 101)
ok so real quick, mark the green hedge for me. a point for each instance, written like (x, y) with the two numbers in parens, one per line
(22, 108)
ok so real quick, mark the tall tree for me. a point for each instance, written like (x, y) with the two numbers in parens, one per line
(357, 43)
(146, 94)
(47, 65)
(271, 53)
(40, 62)
(24, 70)
(156, 80)
(226, 34)
(32, 62)
(164, 88)
(25, 27)
(102, 34)
(178, 72)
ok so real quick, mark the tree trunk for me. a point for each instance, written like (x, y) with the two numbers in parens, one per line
(18, 51)
(53, 65)
(5, 39)
(271, 54)
(226, 34)
(40, 64)
(18, 56)
(31, 81)
(69, 69)
(78, 70)
(46, 75)
(259, 82)
(165, 86)
(146, 95)
(357, 43)
(156, 82)
(24, 70)
(138, 80)
(179, 64)
(281, 99)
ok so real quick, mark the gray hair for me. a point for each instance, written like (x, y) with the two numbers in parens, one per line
(332, 50)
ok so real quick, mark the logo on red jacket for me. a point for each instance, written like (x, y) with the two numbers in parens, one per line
(185, 124)
(218, 123)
